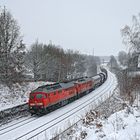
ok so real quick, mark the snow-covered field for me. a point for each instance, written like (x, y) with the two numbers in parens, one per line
(18, 95)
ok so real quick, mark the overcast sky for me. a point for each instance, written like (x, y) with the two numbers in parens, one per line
(81, 25)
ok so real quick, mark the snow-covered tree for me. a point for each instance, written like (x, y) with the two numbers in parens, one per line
(123, 58)
(34, 58)
(91, 65)
(131, 35)
(113, 63)
(12, 49)
(131, 38)
(79, 65)
(53, 63)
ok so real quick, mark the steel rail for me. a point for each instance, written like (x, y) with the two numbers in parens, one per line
(16, 125)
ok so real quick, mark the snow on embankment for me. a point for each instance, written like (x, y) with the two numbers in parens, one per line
(17, 95)
(99, 124)
(122, 125)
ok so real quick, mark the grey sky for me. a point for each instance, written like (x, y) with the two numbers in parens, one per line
(75, 24)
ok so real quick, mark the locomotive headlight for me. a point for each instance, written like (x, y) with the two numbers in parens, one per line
(32, 104)
(39, 103)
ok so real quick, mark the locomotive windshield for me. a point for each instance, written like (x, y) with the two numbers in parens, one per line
(39, 96)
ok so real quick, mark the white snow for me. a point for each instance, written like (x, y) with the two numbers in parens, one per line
(119, 126)
(134, 74)
(18, 95)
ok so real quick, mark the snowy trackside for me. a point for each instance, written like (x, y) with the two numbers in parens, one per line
(18, 95)
(122, 125)
(48, 125)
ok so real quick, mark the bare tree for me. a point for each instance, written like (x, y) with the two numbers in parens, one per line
(131, 35)
(131, 38)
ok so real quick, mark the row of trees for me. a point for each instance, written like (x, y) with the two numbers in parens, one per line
(47, 62)
(53, 63)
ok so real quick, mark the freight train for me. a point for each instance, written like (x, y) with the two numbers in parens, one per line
(46, 98)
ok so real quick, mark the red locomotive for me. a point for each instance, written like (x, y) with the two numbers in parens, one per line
(47, 97)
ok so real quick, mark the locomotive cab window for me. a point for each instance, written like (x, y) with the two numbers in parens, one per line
(39, 96)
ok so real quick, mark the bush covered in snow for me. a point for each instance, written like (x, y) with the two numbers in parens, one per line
(18, 94)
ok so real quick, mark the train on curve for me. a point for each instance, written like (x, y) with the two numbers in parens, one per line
(46, 98)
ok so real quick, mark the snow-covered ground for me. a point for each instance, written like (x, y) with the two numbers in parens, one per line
(122, 125)
(18, 95)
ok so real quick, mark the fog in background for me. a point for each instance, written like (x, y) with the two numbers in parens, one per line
(81, 25)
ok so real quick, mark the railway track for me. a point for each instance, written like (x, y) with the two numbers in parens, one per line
(10, 127)
(36, 130)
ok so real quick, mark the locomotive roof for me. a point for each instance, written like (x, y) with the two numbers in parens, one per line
(82, 80)
(53, 87)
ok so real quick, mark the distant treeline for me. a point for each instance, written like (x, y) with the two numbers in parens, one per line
(50, 62)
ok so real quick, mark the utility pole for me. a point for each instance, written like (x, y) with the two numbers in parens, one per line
(93, 52)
